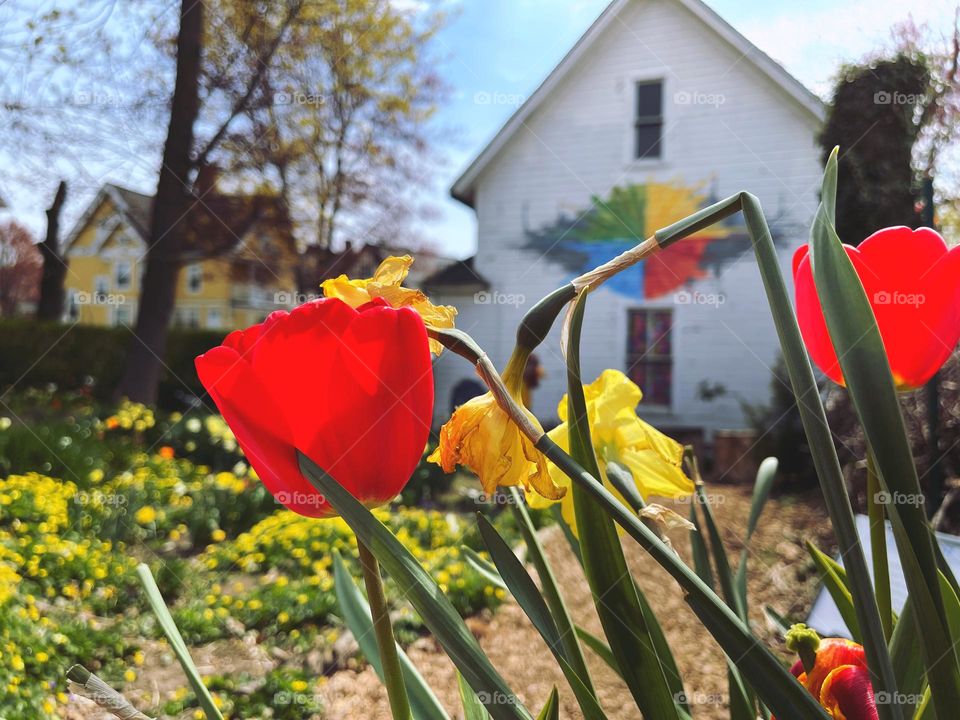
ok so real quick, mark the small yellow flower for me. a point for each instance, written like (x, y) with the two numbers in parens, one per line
(145, 515)
(129, 675)
(654, 460)
(386, 284)
(481, 437)
(218, 535)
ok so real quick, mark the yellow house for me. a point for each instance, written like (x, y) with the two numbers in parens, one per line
(241, 267)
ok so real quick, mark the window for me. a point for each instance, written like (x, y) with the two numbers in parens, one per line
(648, 122)
(194, 278)
(122, 315)
(187, 317)
(650, 353)
(73, 307)
(123, 275)
(101, 288)
(214, 320)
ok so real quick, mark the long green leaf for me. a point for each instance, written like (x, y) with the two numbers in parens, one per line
(169, 627)
(485, 568)
(356, 612)
(907, 660)
(699, 550)
(742, 703)
(859, 346)
(473, 709)
(599, 647)
(814, 419)
(551, 593)
(837, 588)
(424, 594)
(622, 480)
(531, 601)
(766, 474)
(719, 552)
(613, 589)
(551, 710)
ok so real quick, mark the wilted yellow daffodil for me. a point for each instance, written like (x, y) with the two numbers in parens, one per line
(386, 284)
(654, 460)
(480, 436)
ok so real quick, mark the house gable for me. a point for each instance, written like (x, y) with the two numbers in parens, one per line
(791, 89)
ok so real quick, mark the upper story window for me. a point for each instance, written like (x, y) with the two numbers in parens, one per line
(123, 275)
(650, 353)
(648, 120)
(194, 278)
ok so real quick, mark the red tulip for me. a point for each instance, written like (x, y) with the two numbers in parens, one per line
(848, 695)
(913, 283)
(840, 680)
(351, 388)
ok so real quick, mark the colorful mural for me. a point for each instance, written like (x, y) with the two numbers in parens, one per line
(630, 214)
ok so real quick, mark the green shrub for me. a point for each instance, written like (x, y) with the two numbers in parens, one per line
(33, 354)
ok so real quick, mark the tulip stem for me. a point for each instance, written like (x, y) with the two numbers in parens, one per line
(878, 546)
(389, 658)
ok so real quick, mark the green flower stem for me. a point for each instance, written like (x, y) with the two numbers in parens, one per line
(389, 659)
(878, 547)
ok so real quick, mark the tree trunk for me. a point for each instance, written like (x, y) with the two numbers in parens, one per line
(172, 203)
(50, 305)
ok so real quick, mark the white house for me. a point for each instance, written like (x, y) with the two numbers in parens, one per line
(660, 108)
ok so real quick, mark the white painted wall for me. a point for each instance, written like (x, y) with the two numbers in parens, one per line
(577, 144)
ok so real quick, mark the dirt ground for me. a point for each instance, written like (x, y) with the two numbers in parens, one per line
(779, 575)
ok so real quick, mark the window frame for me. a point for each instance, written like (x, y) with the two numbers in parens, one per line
(633, 359)
(116, 275)
(631, 83)
(101, 281)
(194, 271)
(207, 321)
(640, 121)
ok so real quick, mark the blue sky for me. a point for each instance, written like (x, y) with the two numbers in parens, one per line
(496, 52)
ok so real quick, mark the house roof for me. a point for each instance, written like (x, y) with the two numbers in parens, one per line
(463, 187)
(459, 276)
(217, 223)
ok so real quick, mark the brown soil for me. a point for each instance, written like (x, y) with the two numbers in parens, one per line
(779, 575)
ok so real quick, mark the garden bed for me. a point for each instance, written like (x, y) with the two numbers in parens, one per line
(780, 576)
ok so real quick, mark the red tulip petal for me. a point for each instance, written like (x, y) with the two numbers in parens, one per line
(243, 341)
(813, 326)
(260, 428)
(355, 388)
(848, 695)
(799, 256)
(913, 285)
(381, 405)
(902, 272)
(833, 653)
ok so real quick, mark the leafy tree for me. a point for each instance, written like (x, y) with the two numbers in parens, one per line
(896, 118)
(231, 81)
(872, 117)
(344, 118)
